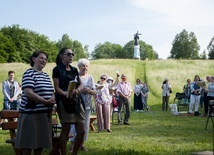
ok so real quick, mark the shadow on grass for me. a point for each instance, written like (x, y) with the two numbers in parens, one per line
(113, 151)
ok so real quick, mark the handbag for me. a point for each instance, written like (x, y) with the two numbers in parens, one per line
(72, 105)
(170, 91)
(114, 102)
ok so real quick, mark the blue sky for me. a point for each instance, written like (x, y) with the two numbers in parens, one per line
(95, 21)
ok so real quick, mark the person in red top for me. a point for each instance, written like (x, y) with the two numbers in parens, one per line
(124, 89)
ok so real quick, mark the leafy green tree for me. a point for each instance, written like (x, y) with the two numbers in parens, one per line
(43, 43)
(146, 51)
(6, 48)
(117, 49)
(156, 55)
(17, 44)
(85, 49)
(65, 42)
(109, 51)
(106, 51)
(78, 50)
(14, 57)
(26, 42)
(22, 40)
(75, 45)
(210, 49)
(127, 51)
(203, 55)
(185, 46)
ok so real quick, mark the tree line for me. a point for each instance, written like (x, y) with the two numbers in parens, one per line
(17, 44)
(185, 46)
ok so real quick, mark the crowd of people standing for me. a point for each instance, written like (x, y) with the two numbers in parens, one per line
(37, 96)
(199, 94)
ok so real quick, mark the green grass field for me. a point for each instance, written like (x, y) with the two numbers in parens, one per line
(151, 133)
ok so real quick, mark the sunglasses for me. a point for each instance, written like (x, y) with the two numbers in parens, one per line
(102, 78)
(69, 54)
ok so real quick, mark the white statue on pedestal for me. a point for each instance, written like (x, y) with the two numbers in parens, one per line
(136, 46)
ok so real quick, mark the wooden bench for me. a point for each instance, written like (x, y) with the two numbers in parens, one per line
(10, 123)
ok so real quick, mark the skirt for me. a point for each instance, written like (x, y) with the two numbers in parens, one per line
(70, 118)
(34, 131)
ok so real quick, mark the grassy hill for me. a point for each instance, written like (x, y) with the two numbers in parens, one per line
(152, 72)
(154, 132)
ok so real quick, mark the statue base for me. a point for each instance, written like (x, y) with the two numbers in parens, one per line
(137, 52)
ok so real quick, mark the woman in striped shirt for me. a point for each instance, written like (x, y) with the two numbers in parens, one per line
(34, 125)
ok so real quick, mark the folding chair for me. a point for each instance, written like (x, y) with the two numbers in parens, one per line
(181, 100)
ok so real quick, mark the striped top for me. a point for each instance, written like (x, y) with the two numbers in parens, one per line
(41, 84)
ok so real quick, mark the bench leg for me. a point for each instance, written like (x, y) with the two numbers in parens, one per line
(92, 125)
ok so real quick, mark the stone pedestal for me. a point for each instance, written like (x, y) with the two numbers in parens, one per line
(137, 52)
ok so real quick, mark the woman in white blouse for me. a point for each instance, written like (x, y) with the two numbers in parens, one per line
(166, 87)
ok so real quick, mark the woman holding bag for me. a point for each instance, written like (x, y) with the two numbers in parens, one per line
(63, 73)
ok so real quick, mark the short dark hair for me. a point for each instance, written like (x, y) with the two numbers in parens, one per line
(35, 55)
(10, 72)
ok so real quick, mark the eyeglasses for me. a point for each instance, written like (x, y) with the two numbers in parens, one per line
(102, 78)
(69, 54)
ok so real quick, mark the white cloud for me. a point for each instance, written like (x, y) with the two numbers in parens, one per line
(172, 16)
(180, 12)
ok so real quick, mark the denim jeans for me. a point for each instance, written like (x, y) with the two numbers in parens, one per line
(10, 105)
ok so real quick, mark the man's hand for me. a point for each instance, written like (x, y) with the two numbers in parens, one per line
(11, 99)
